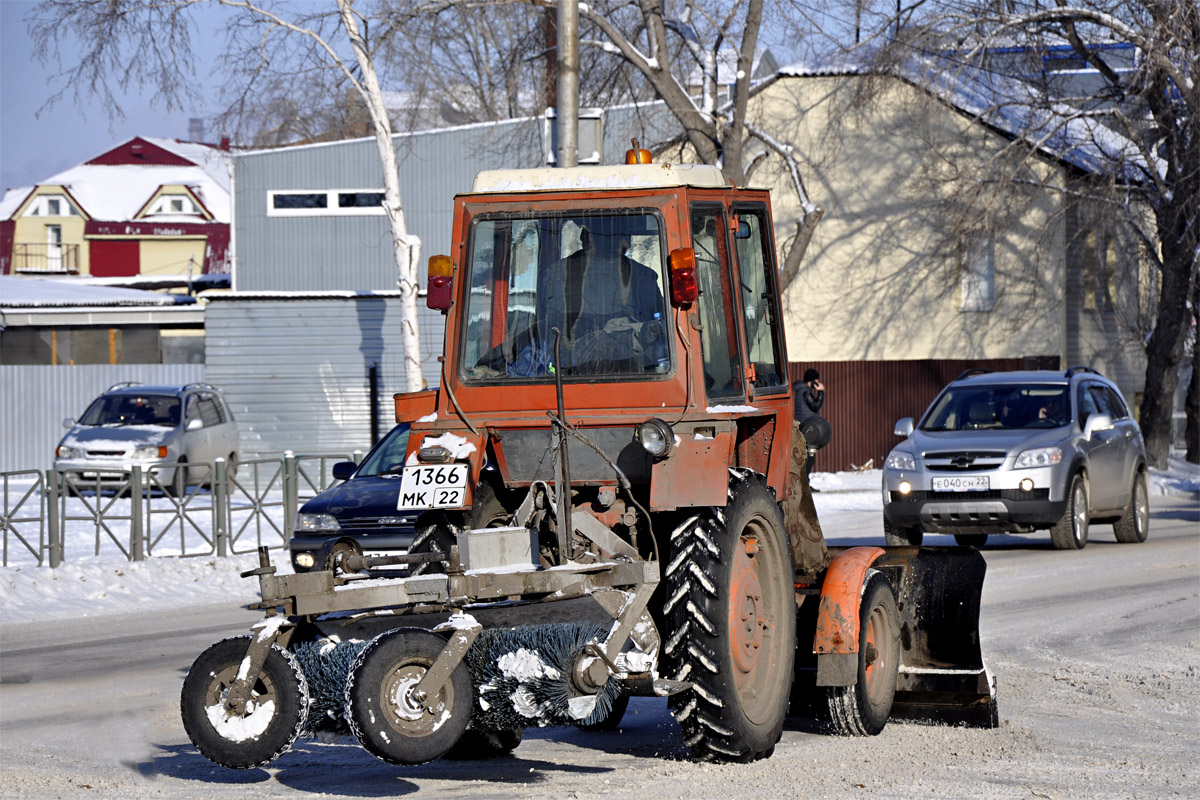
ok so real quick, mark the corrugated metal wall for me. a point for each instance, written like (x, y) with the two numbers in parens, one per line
(34, 401)
(295, 370)
(326, 253)
(863, 400)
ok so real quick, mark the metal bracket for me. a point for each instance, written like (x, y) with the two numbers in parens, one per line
(466, 630)
(264, 634)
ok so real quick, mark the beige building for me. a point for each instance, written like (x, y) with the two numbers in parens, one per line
(925, 252)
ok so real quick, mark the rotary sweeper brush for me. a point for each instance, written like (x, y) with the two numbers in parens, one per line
(613, 485)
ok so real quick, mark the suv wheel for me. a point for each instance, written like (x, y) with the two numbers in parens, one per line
(1071, 532)
(895, 536)
(1134, 524)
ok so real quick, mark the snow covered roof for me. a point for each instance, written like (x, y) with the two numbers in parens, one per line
(621, 176)
(1012, 106)
(117, 192)
(45, 293)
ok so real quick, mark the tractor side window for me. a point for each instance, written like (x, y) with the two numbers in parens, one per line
(718, 334)
(756, 271)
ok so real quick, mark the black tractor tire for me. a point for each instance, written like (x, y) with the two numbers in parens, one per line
(610, 721)
(1071, 532)
(895, 536)
(477, 745)
(730, 618)
(971, 539)
(863, 708)
(1134, 525)
(384, 718)
(434, 534)
(269, 728)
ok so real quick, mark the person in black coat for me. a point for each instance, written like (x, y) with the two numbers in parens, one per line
(808, 404)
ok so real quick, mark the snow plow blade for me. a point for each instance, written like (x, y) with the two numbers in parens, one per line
(942, 676)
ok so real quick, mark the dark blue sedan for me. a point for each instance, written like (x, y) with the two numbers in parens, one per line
(364, 508)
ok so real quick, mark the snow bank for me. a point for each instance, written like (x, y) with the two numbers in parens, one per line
(110, 585)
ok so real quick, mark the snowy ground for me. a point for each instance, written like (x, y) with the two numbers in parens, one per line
(109, 584)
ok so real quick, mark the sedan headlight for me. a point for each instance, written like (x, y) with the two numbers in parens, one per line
(1041, 457)
(898, 459)
(316, 522)
(66, 451)
(150, 452)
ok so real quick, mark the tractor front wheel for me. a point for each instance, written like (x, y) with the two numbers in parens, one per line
(731, 625)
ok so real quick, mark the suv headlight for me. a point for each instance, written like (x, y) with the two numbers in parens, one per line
(66, 451)
(150, 452)
(317, 522)
(898, 459)
(1041, 457)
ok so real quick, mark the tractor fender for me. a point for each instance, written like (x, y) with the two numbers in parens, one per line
(836, 639)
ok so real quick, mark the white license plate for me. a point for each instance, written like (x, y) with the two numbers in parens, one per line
(962, 483)
(433, 486)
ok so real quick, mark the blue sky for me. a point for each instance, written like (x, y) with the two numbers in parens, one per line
(34, 147)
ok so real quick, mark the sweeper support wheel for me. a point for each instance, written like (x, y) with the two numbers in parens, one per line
(275, 712)
(385, 710)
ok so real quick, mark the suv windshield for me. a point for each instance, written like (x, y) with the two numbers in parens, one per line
(597, 277)
(388, 457)
(1003, 407)
(129, 409)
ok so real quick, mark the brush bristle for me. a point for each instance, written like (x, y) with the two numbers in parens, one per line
(326, 665)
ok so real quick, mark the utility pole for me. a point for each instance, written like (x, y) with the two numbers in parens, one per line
(567, 107)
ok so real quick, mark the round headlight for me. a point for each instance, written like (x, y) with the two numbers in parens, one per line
(66, 451)
(1026, 485)
(305, 560)
(905, 487)
(656, 437)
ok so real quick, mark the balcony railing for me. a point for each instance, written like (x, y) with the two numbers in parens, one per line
(47, 258)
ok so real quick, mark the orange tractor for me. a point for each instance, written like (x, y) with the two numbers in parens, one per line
(613, 444)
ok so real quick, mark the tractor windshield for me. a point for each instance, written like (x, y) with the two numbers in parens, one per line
(595, 277)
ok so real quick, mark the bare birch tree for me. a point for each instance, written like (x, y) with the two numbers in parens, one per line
(147, 45)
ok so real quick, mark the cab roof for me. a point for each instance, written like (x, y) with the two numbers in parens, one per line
(619, 176)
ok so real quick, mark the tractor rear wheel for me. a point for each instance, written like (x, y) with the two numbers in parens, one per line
(731, 625)
(274, 716)
(384, 713)
(863, 708)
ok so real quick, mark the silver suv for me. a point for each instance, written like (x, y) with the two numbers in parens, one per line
(1014, 452)
(150, 426)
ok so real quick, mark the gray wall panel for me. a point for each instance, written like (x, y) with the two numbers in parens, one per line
(34, 400)
(295, 370)
(327, 253)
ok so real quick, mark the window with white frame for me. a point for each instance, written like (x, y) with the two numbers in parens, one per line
(173, 204)
(978, 255)
(50, 205)
(331, 202)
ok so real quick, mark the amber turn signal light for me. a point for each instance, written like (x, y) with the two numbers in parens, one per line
(684, 289)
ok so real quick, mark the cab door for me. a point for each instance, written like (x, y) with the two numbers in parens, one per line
(719, 346)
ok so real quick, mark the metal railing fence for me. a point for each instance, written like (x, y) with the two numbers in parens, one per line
(51, 517)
